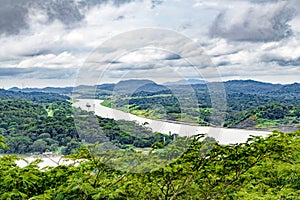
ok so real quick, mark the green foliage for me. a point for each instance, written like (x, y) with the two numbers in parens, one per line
(31, 127)
(245, 99)
(123, 133)
(39, 97)
(28, 127)
(2, 143)
(261, 168)
(271, 116)
(258, 169)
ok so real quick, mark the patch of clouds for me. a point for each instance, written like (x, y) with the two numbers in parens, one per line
(14, 14)
(47, 39)
(248, 38)
(203, 3)
(253, 22)
(62, 60)
(134, 67)
(12, 17)
(37, 73)
(284, 62)
(248, 59)
(148, 55)
(144, 52)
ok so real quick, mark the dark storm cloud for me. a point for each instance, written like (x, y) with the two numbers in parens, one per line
(14, 13)
(37, 73)
(65, 11)
(258, 24)
(13, 16)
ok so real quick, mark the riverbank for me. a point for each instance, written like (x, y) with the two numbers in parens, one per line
(222, 135)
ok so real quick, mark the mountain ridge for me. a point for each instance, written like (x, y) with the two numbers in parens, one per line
(143, 85)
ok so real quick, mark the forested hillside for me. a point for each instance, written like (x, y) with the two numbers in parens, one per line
(148, 99)
(189, 168)
(245, 100)
(33, 127)
(40, 97)
(43, 125)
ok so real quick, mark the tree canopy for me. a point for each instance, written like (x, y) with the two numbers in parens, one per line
(261, 168)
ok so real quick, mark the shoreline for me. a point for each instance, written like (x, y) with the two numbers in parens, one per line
(222, 135)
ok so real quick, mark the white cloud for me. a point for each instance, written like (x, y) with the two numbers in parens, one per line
(63, 60)
(244, 21)
(237, 50)
(146, 55)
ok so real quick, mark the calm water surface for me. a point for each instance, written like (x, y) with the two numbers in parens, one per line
(222, 135)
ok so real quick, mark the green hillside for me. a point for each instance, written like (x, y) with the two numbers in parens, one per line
(35, 127)
(239, 101)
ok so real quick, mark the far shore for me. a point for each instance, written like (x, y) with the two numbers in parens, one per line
(222, 135)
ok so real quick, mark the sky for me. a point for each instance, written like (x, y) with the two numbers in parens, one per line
(75, 42)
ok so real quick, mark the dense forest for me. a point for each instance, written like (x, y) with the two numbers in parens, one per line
(261, 168)
(244, 104)
(36, 127)
(37, 96)
(33, 127)
(111, 156)
(35, 121)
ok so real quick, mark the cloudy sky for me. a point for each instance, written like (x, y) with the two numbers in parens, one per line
(72, 42)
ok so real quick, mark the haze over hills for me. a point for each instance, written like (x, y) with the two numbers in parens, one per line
(134, 86)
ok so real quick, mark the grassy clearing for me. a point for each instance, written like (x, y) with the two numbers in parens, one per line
(267, 123)
(106, 103)
(50, 112)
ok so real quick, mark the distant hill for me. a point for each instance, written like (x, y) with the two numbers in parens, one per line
(291, 88)
(250, 86)
(122, 87)
(58, 90)
(186, 82)
(109, 87)
(136, 86)
(243, 98)
(280, 91)
(40, 97)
